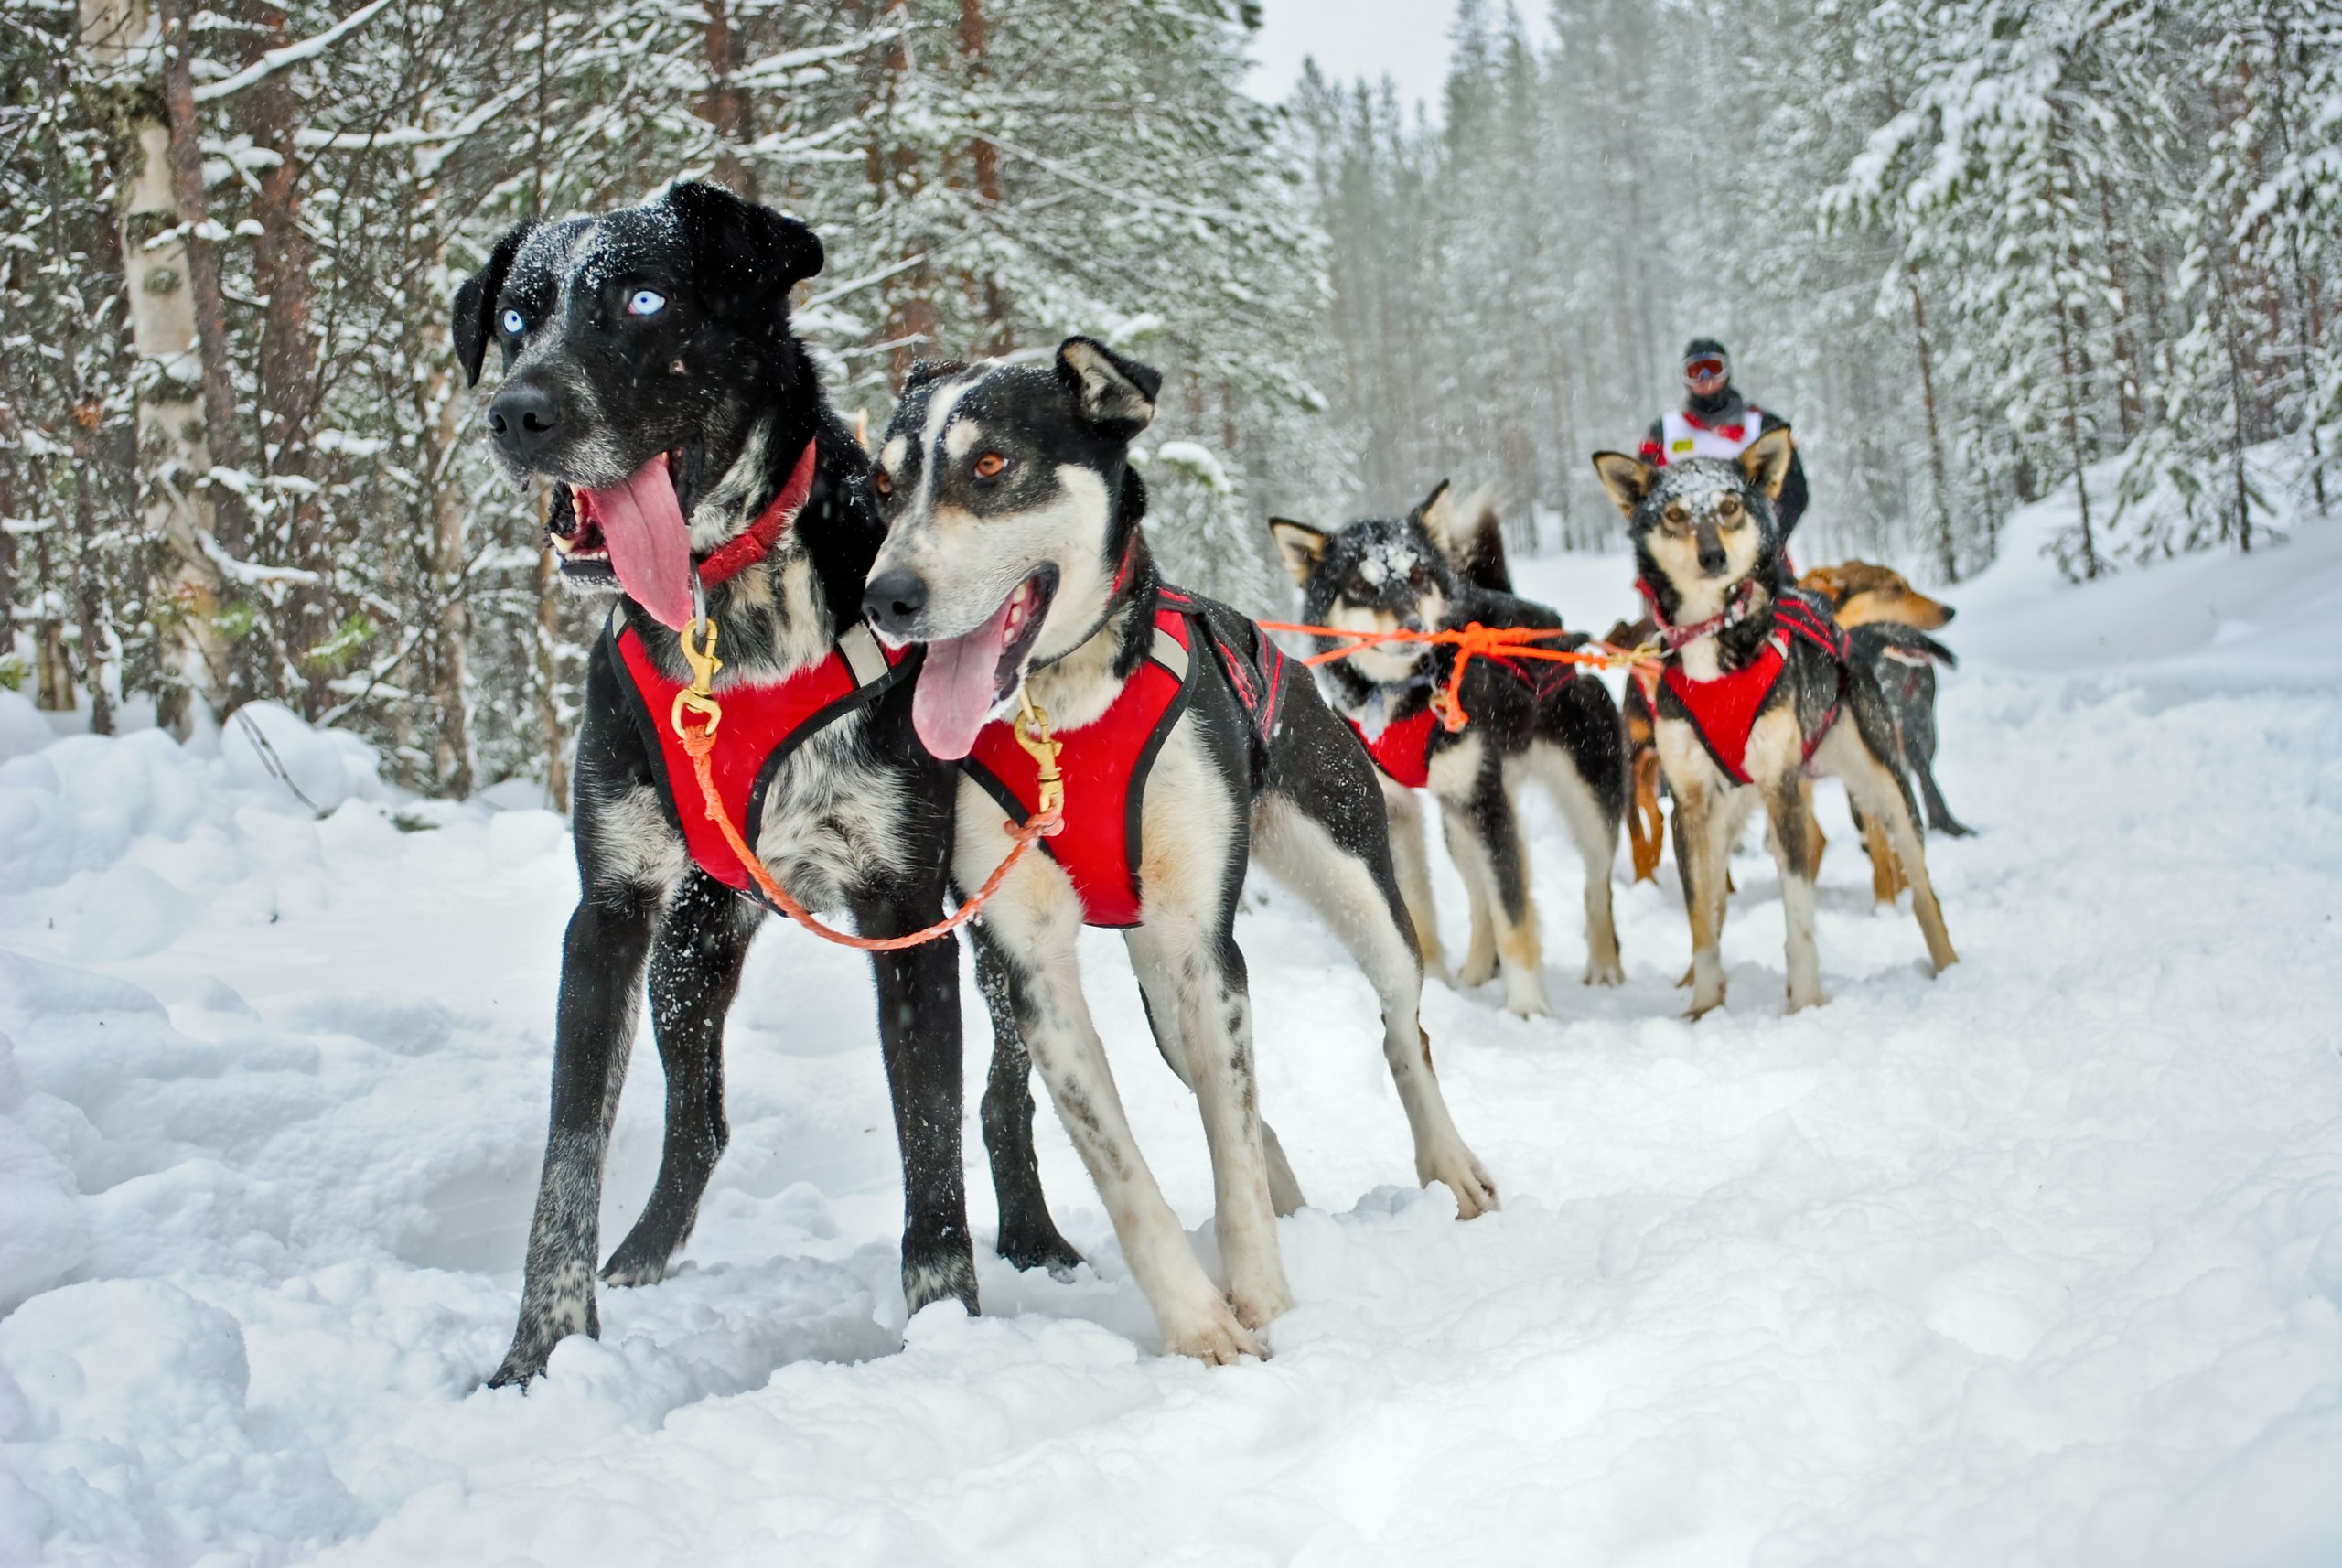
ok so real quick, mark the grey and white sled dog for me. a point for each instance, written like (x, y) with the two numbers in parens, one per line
(1758, 679)
(1444, 566)
(1014, 552)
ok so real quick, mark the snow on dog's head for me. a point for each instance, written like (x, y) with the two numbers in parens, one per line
(1008, 500)
(1703, 523)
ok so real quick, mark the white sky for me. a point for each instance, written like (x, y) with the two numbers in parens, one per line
(1406, 39)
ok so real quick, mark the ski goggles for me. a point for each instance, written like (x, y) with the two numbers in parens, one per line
(1707, 366)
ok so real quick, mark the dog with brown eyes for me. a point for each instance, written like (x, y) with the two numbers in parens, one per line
(1760, 688)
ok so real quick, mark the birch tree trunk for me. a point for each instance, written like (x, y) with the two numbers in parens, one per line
(121, 40)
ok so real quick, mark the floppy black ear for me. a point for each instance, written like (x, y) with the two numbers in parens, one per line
(475, 322)
(1114, 393)
(747, 256)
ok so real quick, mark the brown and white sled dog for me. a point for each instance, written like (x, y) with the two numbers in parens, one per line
(1014, 552)
(1757, 685)
(1443, 567)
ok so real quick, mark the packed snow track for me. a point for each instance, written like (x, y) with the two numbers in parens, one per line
(2038, 1263)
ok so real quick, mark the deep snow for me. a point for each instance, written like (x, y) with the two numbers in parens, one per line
(2036, 1263)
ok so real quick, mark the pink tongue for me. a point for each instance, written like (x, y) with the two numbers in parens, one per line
(650, 542)
(959, 685)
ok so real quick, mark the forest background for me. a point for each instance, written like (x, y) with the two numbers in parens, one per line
(1977, 249)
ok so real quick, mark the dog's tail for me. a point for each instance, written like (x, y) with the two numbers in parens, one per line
(1892, 639)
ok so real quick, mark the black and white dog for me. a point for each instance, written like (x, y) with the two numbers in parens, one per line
(649, 370)
(1014, 552)
(1528, 719)
(1758, 679)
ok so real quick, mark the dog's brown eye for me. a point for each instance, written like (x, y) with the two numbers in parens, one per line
(989, 466)
(1677, 516)
(1729, 505)
(881, 483)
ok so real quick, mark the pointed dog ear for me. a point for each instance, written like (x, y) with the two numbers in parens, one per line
(926, 370)
(474, 320)
(1766, 460)
(748, 257)
(1629, 480)
(1114, 393)
(1301, 546)
(1437, 514)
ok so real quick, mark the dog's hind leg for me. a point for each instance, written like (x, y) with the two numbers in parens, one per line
(601, 968)
(1883, 796)
(694, 974)
(1409, 857)
(1919, 754)
(1358, 899)
(1028, 1237)
(918, 1036)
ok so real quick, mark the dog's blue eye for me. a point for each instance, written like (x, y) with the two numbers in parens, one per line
(646, 302)
(514, 322)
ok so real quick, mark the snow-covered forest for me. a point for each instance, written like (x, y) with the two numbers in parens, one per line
(1972, 248)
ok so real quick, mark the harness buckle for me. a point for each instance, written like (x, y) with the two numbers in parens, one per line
(699, 704)
(1032, 729)
(702, 657)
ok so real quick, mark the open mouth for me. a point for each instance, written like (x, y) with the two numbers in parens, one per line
(633, 531)
(964, 677)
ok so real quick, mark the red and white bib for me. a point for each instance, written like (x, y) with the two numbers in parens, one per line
(1682, 435)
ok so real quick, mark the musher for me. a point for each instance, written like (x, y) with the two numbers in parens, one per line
(1715, 421)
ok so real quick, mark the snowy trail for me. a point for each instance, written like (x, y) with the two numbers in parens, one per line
(2036, 1263)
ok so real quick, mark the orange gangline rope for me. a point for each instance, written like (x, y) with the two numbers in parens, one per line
(1470, 642)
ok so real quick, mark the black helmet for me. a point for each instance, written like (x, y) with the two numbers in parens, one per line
(1706, 348)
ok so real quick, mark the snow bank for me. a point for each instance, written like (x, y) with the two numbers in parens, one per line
(2039, 1263)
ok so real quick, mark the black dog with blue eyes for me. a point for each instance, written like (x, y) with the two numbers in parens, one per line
(652, 374)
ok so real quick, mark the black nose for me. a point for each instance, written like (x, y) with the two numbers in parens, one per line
(523, 419)
(1712, 559)
(1947, 613)
(894, 599)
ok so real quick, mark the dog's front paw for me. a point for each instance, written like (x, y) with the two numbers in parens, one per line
(940, 1273)
(532, 1346)
(1802, 998)
(1039, 1247)
(1477, 970)
(1211, 1333)
(1608, 972)
(1703, 1002)
(634, 1264)
(1260, 1305)
(1460, 1171)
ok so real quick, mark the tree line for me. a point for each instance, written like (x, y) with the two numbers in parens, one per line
(1974, 250)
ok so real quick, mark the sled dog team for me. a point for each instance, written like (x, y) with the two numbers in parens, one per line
(840, 679)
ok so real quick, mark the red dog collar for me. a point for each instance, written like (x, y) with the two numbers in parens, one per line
(736, 554)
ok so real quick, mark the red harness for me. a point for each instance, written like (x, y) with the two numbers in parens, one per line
(1403, 749)
(762, 724)
(1106, 764)
(1722, 712)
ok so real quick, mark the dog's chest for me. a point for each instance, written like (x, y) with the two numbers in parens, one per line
(834, 818)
